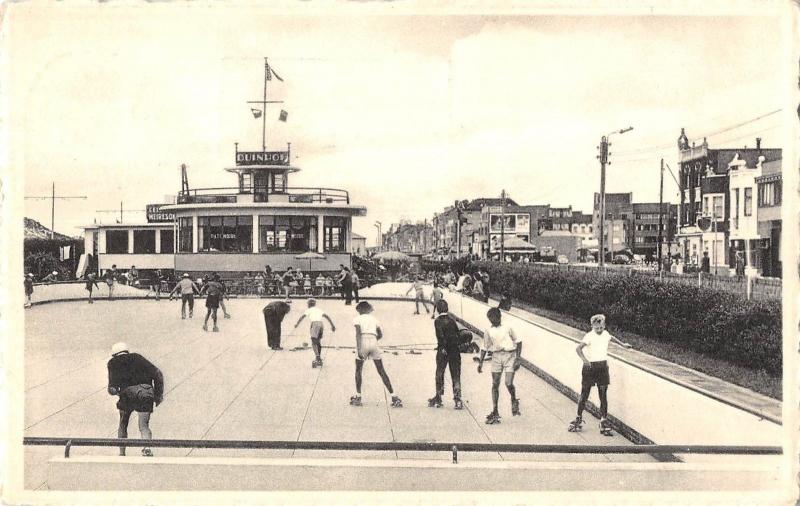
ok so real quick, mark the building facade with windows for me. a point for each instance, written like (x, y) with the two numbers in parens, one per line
(707, 191)
(645, 227)
(769, 193)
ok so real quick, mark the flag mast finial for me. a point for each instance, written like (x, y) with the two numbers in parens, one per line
(264, 113)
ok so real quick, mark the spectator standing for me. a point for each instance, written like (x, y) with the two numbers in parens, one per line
(705, 265)
(28, 283)
(259, 279)
(356, 285)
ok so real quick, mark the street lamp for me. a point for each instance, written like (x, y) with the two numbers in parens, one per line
(380, 236)
(603, 161)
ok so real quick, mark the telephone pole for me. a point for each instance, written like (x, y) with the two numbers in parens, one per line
(502, 225)
(603, 157)
(52, 197)
(660, 213)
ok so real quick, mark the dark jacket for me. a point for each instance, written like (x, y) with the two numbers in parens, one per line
(446, 333)
(127, 369)
(277, 309)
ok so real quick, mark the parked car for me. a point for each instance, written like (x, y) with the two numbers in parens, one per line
(562, 259)
(621, 260)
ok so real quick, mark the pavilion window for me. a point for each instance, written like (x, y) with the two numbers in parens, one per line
(144, 241)
(116, 241)
(167, 241)
(184, 235)
(334, 234)
(232, 234)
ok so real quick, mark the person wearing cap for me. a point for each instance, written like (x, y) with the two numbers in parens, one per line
(52, 277)
(28, 289)
(315, 316)
(139, 385)
(91, 283)
(187, 288)
(274, 312)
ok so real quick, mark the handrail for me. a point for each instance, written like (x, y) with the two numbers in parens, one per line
(402, 446)
(319, 194)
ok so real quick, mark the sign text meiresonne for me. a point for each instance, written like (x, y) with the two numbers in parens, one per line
(156, 215)
(262, 158)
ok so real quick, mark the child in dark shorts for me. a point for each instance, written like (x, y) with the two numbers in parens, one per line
(593, 351)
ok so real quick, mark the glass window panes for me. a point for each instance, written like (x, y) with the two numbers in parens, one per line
(116, 241)
(144, 241)
(185, 235)
(167, 241)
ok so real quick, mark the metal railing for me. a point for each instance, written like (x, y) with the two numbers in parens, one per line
(296, 194)
(69, 443)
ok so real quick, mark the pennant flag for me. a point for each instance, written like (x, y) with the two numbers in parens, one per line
(283, 115)
(256, 112)
(271, 72)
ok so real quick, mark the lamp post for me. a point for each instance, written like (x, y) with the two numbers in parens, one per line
(603, 157)
(380, 236)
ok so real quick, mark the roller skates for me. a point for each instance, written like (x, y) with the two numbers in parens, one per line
(216, 329)
(355, 400)
(396, 402)
(515, 407)
(227, 316)
(435, 402)
(605, 427)
(576, 425)
(316, 363)
(147, 452)
(205, 327)
(458, 404)
(493, 418)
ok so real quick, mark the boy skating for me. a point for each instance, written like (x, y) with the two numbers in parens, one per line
(187, 287)
(91, 284)
(214, 292)
(436, 296)
(315, 316)
(419, 295)
(506, 350)
(139, 385)
(593, 350)
(447, 354)
(368, 333)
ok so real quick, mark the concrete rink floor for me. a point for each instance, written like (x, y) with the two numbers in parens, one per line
(229, 385)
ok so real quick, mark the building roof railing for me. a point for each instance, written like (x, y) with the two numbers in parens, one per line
(232, 195)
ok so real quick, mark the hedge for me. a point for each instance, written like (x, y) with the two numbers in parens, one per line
(715, 323)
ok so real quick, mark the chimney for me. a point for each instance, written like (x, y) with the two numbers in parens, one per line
(758, 143)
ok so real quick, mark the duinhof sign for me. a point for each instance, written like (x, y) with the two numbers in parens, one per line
(262, 158)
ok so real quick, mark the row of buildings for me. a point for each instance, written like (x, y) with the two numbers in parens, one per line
(729, 210)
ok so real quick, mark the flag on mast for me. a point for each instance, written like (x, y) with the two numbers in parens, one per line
(256, 112)
(271, 72)
(283, 115)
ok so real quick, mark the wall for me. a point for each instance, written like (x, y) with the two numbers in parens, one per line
(222, 262)
(663, 411)
(141, 261)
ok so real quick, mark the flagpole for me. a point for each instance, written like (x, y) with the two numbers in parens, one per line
(264, 112)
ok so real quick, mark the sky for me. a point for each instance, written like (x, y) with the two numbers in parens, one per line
(406, 112)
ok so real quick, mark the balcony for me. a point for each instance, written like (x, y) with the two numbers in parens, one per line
(295, 195)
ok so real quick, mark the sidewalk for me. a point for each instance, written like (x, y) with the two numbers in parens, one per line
(716, 388)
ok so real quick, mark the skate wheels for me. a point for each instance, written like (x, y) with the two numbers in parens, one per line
(216, 329)
(576, 425)
(435, 402)
(396, 402)
(355, 400)
(205, 327)
(492, 418)
(515, 407)
(147, 452)
(605, 428)
(458, 404)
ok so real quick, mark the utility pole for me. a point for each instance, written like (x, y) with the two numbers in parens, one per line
(52, 197)
(379, 239)
(458, 228)
(502, 225)
(660, 213)
(121, 211)
(603, 157)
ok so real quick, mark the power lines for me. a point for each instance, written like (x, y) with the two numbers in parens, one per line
(648, 152)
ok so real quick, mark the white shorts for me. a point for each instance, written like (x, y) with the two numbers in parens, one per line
(503, 360)
(369, 348)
